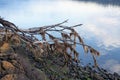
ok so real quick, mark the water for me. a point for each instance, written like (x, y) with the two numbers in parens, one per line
(101, 23)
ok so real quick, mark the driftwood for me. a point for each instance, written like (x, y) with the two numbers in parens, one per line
(43, 38)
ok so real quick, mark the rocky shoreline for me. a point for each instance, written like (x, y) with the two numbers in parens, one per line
(23, 65)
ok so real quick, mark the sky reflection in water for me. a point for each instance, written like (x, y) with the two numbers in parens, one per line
(100, 28)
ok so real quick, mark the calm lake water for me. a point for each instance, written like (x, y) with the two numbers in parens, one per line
(100, 29)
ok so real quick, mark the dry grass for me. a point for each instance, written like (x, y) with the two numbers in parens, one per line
(67, 40)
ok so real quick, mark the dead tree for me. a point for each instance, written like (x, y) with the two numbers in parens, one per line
(42, 39)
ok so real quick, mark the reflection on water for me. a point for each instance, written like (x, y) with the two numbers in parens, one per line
(103, 2)
(100, 28)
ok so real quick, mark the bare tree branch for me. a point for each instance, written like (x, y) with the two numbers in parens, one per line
(68, 38)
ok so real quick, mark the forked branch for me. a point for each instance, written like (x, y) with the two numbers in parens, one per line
(43, 38)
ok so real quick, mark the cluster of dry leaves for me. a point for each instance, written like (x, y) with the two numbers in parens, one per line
(41, 40)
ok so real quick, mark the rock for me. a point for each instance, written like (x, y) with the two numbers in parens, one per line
(9, 77)
(7, 66)
(22, 77)
(5, 47)
(0, 70)
(0, 67)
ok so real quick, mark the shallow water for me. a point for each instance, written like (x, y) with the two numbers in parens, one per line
(101, 23)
